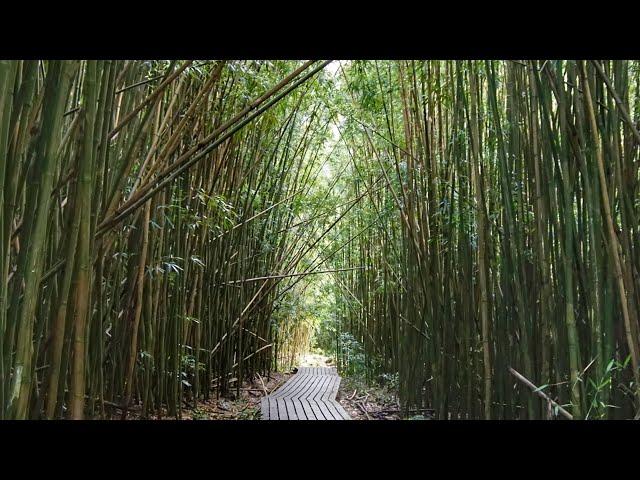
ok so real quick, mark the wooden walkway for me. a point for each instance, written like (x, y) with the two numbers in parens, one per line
(310, 394)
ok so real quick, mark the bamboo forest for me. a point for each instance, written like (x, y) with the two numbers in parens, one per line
(399, 239)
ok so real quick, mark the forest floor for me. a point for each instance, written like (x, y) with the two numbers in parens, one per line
(367, 402)
(245, 406)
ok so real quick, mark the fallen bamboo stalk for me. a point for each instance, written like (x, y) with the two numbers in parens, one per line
(411, 410)
(538, 392)
(263, 385)
(277, 386)
(363, 408)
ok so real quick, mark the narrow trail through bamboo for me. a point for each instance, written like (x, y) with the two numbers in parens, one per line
(170, 230)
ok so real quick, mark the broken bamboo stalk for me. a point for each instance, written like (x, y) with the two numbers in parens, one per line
(542, 395)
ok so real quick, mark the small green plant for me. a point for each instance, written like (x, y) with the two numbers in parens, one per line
(390, 380)
(352, 353)
(600, 390)
(199, 414)
(249, 414)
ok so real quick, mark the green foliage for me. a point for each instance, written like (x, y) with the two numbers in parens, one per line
(198, 414)
(352, 356)
(599, 390)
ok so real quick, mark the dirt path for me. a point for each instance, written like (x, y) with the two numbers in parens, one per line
(316, 360)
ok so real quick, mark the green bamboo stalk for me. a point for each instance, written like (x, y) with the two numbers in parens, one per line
(30, 262)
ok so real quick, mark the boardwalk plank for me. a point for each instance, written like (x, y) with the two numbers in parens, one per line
(325, 379)
(341, 410)
(273, 410)
(301, 414)
(301, 386)
(290, 384)
(312, 410)
(282, 409)
(291, 409)
(310, 394)
(329, 395)
(310, 398)
(307, 409)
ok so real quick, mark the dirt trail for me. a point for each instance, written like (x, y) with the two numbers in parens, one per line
(316, 360)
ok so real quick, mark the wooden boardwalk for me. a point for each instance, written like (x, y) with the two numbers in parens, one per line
(310, 394)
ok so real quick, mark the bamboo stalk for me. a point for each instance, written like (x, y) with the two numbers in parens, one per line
(541, 394)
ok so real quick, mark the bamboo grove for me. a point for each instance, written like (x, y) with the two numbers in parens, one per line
(145, 209)
(506, 237)
(163, 226)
